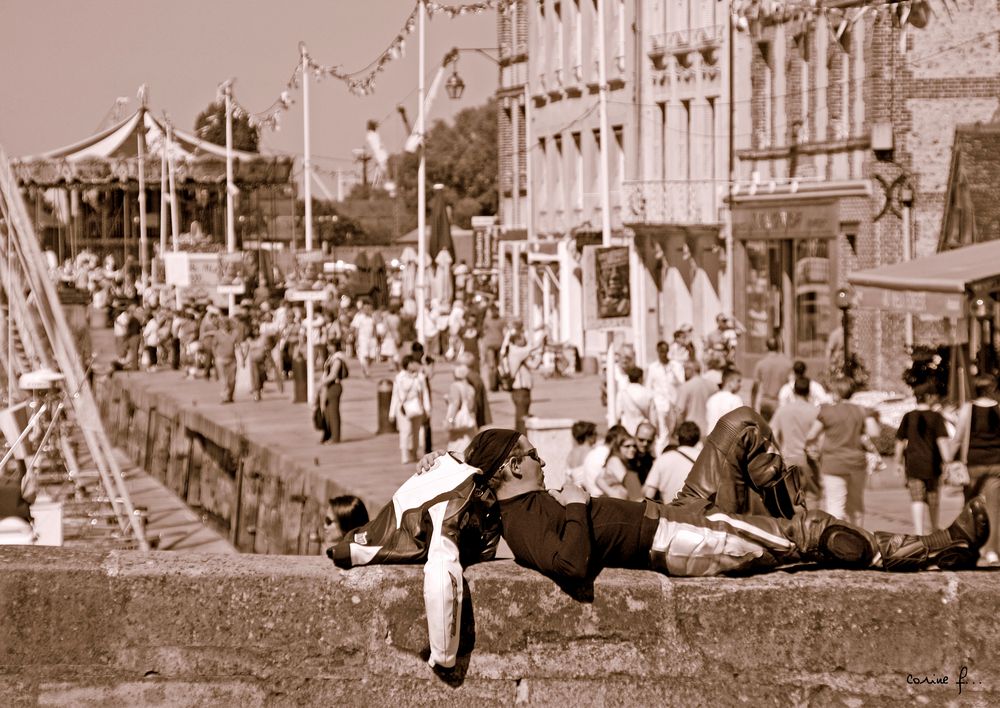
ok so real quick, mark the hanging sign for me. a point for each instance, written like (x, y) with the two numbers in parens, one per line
(484, 242)
(607, 300)
(306, 281)
(232, 278)
(195, 275)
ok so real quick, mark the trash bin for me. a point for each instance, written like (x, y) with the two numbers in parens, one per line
(384, 425)
(299, 377)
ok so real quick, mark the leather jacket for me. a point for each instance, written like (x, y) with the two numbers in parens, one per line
(446, 518)
(740, 470)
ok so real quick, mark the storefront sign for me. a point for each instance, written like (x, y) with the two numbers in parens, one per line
(607, 297)
(786, 221)
(918, 302)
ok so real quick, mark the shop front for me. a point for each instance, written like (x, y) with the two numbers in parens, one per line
(786, 269)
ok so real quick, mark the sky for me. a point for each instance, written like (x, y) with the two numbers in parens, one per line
(64, 62)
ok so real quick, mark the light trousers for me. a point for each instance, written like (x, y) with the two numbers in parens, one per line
(844, 496)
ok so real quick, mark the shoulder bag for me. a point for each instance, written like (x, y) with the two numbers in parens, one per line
(956, 472)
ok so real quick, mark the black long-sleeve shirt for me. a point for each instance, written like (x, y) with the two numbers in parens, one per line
(578, 540)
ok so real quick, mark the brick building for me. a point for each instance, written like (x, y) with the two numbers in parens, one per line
(843, 142)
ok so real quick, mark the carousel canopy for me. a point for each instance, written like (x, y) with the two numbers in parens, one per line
(111, 156)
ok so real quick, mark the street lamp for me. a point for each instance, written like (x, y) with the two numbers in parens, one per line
(981, 308)
(844, 301)
(454, 85)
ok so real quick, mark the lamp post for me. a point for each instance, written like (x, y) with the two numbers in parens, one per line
(981, 308)
(844, 297)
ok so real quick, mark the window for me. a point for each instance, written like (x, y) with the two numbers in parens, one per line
(712, 140)
(686, 141)
(788, 286)
(577, 171)
(557, 173)
(664, 139)
(618, 160)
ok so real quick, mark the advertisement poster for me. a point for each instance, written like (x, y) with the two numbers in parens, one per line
(607, 298)
(232, 278)
(306, 281)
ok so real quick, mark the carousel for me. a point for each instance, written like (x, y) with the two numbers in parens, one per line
(85, 196)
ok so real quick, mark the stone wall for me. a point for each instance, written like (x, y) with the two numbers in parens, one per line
(124, 628)
(261, 500)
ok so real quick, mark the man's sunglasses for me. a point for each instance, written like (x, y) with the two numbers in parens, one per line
(533, 454)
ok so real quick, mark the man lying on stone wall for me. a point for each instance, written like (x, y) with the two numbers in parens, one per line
(740, 511)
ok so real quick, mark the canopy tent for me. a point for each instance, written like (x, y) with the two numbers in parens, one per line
(91, 186)
(935, 286)
(112, 156)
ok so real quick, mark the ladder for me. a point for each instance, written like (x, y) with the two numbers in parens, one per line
(37, 335)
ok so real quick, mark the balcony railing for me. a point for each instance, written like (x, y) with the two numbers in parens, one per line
(673, 201)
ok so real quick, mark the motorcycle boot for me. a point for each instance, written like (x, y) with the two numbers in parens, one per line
(954, 548)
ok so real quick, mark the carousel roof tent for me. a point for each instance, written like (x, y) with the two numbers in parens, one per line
(111, 155)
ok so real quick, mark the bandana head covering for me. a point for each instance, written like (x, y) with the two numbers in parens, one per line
(490, 449)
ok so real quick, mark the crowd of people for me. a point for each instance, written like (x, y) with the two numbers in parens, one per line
(663, 413)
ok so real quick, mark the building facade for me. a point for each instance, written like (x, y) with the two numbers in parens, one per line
(843, 143)
(675, 203)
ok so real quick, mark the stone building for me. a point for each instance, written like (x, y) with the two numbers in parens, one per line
(843, 147)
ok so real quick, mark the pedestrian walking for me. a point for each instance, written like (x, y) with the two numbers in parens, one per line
(365, 340)
(519, 359)
(977, 444)
(409, 407)
(224, 342)
(724, 400)
(460, 418)
(664, 378)
(693, 395)
(922, 446)
(769, 375)
(490, 343)
(843, 465)
(790, 425)
(634, 403)
(331, 387)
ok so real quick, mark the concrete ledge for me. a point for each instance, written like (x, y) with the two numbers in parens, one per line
(123, 628)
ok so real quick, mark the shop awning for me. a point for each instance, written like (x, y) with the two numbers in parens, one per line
(935, 286)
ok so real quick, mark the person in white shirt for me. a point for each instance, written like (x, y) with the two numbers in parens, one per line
(664, 377)
(593, 464)
(725, 399)
(817, 394)
(671, 468)
(634, 404)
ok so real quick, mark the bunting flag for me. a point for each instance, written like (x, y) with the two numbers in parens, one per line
(360, 83)
(750, 16)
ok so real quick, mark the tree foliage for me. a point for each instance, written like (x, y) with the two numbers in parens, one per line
(210, 125)
(463, 157)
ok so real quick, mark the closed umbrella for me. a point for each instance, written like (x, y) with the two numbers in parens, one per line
(409, 260)
(443, 287)
(440, 239)
(380, 283)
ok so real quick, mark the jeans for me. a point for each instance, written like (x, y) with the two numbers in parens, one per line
(844, 496)
(409, 435)
(522, 406)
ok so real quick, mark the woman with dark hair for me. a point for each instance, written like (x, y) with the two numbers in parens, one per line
(343, 514)
(977, 444)
(618, 480)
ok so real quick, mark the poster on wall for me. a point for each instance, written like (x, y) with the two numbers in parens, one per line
(607, 297)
